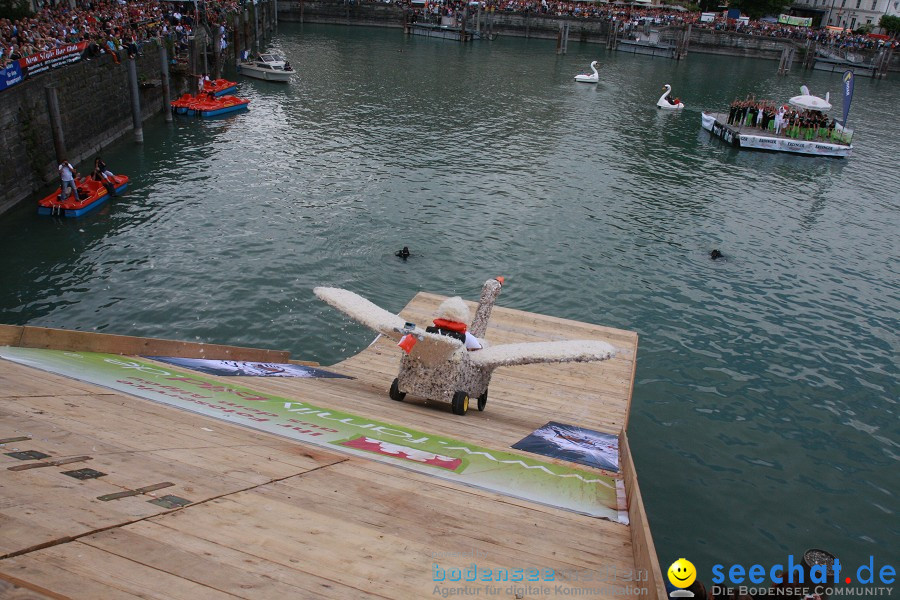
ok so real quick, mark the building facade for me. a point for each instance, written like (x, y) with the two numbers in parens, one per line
(848, 14)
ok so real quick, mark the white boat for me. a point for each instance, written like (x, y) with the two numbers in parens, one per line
(834, 143)
(664, 103)
(268, 66)
(589, 77)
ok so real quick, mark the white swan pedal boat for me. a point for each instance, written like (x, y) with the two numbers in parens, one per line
(664, 103)
(268, 67)
(589, 77)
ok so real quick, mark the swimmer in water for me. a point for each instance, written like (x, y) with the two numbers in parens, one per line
(715, 254)
(404, 254)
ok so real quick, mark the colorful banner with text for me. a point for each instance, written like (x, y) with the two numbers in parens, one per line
(515, 475)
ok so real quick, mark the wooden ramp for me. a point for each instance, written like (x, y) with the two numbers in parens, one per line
(271, 518)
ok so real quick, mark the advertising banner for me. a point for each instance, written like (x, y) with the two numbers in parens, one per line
(847, 89)
(792, 20)
(789, 145)
(10, 76)
(51, 59)
(575, 444)
(246, 368)
(574, 489)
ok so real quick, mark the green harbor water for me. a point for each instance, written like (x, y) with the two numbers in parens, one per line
(765, 417)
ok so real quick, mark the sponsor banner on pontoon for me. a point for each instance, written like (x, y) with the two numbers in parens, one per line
(50, 59)
(789, 145)
(719, 130)
(10, 76)
(247, 368)
(516, 475)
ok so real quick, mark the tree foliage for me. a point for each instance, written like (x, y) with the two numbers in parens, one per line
(760, 8)
(890, 25)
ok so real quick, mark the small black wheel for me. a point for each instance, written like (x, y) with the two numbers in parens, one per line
(482, 400)
(460, 403)
(395, 392)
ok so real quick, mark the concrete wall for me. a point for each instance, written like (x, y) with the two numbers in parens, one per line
(705, 41)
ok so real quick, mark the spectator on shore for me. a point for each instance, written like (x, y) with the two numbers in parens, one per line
(103, 22)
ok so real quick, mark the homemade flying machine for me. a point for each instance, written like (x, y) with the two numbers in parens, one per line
(437, 366)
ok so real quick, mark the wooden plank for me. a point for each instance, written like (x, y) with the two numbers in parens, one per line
(387, 549)
(89, 341)
(214, 565)
(393, 499)
(13, 588)
(18, 526)
(10, 335)
(83, 570)
(42, 506)
(52, 575)
(641, 540)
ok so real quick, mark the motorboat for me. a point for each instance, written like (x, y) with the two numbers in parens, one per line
(268, 67)
(91, 194)
(208, 105)
(589, 77)
(665, 103)
(220, 87)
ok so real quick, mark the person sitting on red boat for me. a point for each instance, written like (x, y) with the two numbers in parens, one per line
(100, 176)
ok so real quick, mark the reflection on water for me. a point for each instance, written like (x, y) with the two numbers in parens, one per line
(764, 419)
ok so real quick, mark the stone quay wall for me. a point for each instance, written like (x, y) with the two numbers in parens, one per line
(95, 105)
(95, 109)
(596, 31)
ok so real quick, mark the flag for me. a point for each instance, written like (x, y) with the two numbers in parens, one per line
(847, 81)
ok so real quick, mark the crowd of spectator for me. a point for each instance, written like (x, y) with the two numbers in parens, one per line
(631, 16)
(107, 25)
(845, 39)
(111, 25)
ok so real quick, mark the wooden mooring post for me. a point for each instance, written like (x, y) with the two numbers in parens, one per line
(787, 58)
(135, 100)
(490, 20)
(56, 128)
(562, 39)
(810, 58)
(684, 40)
(612, 35)
(464, 35)
(164, 80)
(882, 62)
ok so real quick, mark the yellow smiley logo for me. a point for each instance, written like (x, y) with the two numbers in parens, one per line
(682, 573)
